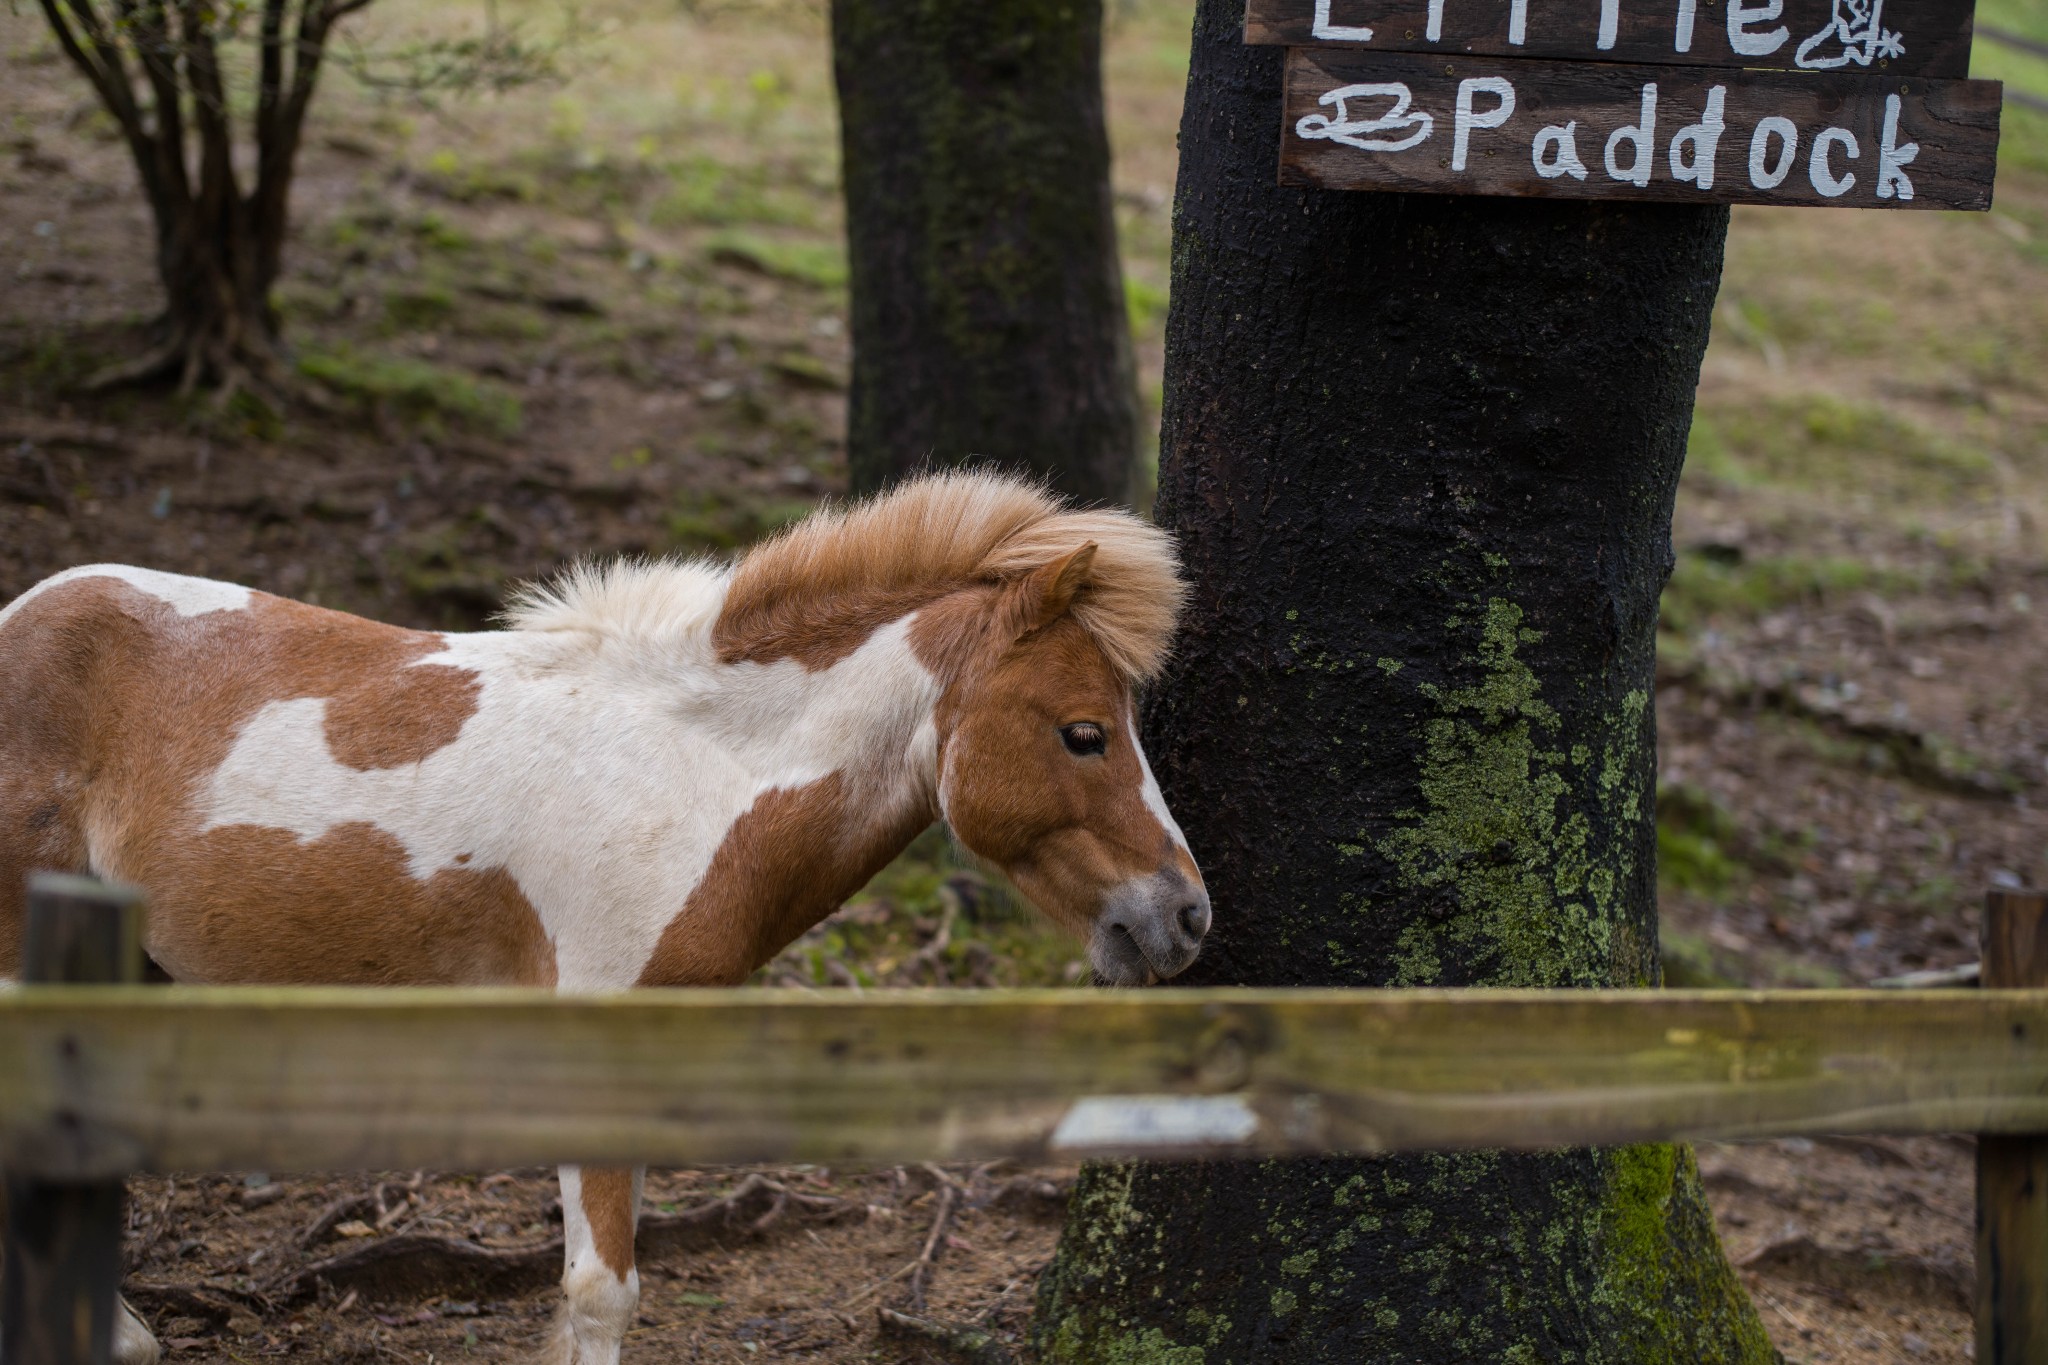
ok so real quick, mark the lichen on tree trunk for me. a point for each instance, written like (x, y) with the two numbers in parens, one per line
(987, 300)
(1421, 454)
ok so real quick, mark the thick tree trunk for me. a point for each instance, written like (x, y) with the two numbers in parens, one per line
(988, 309)
(1421, 455)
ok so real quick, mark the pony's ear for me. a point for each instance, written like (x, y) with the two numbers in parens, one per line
(1048, 591)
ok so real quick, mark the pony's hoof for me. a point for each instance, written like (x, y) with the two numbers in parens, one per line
(563, 1348)
(134, 1343)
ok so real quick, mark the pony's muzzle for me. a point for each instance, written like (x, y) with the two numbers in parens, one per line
(1151, 928)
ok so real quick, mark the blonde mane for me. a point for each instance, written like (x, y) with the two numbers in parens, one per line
(925, 538)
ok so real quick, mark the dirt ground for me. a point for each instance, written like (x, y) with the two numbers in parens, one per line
(608, 316)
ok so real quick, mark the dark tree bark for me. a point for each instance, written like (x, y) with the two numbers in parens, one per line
(218, 245)
(1421, 455)
(988, 308)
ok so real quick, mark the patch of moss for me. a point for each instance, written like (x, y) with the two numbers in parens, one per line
(1523, 895)
(821, 265)
(705, 191)
(1824, 443)
(717, 520)
(415, 389)
(418, 307)
(1706, 588)
(1692, 833)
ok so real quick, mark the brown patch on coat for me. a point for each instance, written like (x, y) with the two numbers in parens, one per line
(608, 1206)
(343, 909)
(817, 632)
(418, 711)
(768, 882)
(117, 711)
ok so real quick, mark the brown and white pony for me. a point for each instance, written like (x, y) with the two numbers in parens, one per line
(660, 775)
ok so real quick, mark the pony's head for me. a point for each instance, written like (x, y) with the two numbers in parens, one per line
(1041, 772)
(1035, 623)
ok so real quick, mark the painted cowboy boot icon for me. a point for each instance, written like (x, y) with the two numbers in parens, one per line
(1350, 131)
(1853, 34)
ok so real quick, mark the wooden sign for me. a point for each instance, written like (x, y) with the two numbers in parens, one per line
(1829, 103)
(1888, 37)
(1587, 130)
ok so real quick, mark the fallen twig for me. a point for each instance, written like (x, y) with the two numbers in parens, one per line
(1935, 978)
(931, 957)
(969, 1345)
(921, 1269)
(343, 1210)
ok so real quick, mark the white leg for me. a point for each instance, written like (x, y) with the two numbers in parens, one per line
(600, 1283)
(134, 1343)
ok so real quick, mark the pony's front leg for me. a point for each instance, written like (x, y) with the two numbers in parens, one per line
(600, 1285)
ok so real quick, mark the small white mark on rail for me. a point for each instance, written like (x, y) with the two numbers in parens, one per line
(1137, 1121)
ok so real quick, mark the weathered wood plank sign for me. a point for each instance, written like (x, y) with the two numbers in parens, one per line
(1587, 130)
(1899, 38)
(1666, 101)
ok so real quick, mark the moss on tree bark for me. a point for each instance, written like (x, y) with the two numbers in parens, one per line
(988, 310)
(1421, 454)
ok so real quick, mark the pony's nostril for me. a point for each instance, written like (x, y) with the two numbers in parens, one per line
(1194, 919)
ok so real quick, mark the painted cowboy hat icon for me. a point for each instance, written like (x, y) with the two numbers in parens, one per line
(1350, 131)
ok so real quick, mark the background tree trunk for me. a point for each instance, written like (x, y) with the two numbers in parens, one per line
(1421, 455)
(988, 306)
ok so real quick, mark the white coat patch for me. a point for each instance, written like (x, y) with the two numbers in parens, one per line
(603, 781)
(1155, 800)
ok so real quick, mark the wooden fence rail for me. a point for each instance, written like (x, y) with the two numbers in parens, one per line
(100, 1080)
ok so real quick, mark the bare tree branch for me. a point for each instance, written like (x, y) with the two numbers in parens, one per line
(152, 38)
(270, 80)
(102, 66)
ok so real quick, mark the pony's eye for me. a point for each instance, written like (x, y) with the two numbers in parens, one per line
(1083, 739)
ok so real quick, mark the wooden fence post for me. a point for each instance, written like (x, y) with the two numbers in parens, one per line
(2012, 1171)
(63, 1239)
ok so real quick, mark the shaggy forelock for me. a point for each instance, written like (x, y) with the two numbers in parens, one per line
(957, 528)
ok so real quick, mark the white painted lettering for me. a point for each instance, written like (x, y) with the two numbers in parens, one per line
(1702, 140)
(1518, 22)
(1643, 137)
(1769, 178)
(1748, 44)
(1818, 170)
(1323, 28)
(1687, 11)
(1562, 144)
(1435, 27)
(1468, 119)
(1610, 23)
(1893, 155)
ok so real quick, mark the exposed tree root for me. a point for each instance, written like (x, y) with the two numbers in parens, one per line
(968, 1345)
(1937, 1281)
(410, 1266)
(156, 363)
(224, 365)
(209, 1302)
